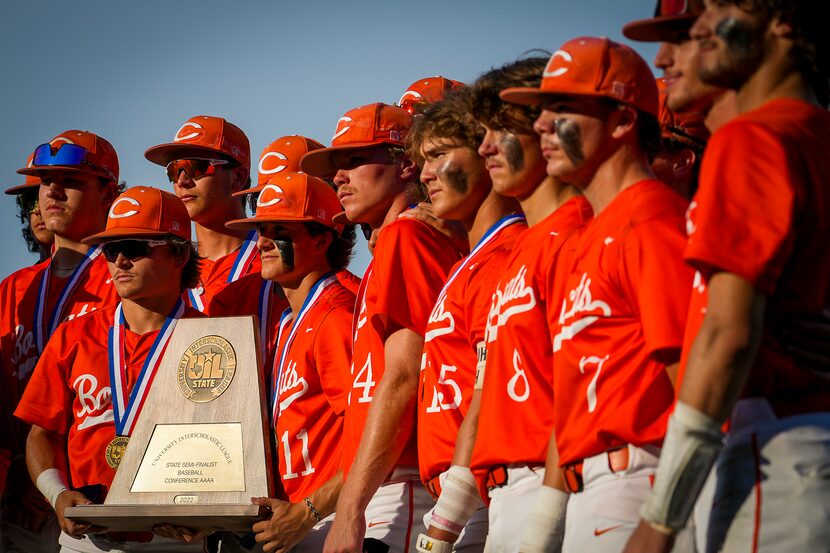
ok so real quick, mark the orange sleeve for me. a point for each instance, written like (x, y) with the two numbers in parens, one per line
(333, 357)
(412, 260)
(744, 216)
(47, 401)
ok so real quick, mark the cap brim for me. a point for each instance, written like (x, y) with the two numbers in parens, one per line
(123, 233)
(252, 222)
(318, 163)
(658, 29)
(40, 170)
(252, 190)
(20, 188)
(341, 219)
(523, 96)
(163, 154)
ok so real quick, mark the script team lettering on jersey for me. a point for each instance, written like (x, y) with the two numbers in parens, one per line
(96, 404)
(516, 297)
(583, 312)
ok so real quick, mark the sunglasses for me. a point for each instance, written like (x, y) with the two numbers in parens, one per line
(67, 155)
(130, 249)
(195, 168)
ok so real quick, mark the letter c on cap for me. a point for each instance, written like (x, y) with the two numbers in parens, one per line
(130, 213)
(276, 169)
(416, 96)
(558, 72)
(196, 126)
(345, 129)
(277, 190)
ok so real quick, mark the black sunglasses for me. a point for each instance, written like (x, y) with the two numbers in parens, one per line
(130, 249)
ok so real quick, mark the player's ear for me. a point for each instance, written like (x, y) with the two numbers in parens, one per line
(684, 163)
(624, 121)
(240, 178)
(408, 170)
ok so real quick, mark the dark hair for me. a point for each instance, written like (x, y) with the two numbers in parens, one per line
(811, 50)
(191, 273)
(648, 133)
(339, 252)
(488, 109)
(448, 119)
(25, 204)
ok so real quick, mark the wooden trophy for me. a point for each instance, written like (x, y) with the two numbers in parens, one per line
(199, 450)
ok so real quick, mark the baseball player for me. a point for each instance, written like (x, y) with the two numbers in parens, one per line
(301, 249)
(38, 239)
(208, 160)
(515, 379)
(88, 387)
(444, 142)
(251, 294)
(382, 497)
(754, 230)
(619, 327)
(78, 176)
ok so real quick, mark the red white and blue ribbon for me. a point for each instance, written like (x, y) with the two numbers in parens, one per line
(125, 410)
(41, 330)
(264, 311)
(287, 316)
(488, 237)
(241, 264)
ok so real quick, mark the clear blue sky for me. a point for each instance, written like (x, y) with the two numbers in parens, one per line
(134, 71)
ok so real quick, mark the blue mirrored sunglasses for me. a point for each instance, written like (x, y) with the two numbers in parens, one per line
(68, 155)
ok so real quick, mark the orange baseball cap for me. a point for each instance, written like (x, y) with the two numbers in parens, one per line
(30, 182)
(100, 158)
(292, 198)
(361, 127)
(687, 127)
(670, 17)
(281, 156)
(427, 90)
(590, 66)
(206, 137)
(144, 212)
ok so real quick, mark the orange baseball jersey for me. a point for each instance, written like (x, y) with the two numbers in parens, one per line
(313, 374)
(766, 220)
(401, 284)
(621, 318)
(349, 280)
(251, 295)
(517, 380)
(32, 303)
(70, 391)
(453, 343)
(216, 275)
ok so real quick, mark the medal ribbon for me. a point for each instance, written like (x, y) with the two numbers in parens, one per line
(488, 237)
(264, 311)
(287, 316)
(126, 411)
(41, 331)
(244, 257)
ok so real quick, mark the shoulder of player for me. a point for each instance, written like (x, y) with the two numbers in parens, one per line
(88, 326)
(23, 277)
(410, 231)
(645, 202)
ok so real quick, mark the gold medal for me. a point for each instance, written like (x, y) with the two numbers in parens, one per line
(115, 451)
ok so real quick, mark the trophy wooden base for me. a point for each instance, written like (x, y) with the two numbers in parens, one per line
(140, 518)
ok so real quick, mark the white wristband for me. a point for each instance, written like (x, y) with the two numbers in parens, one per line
(458, 501)
(426, 544)
(51, 483)
(545, 528)
(693, 441)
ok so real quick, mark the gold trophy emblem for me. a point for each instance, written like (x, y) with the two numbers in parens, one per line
(206, 369)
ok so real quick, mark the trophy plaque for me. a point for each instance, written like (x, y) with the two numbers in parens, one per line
(199, 450)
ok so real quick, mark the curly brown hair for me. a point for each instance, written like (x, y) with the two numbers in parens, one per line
(488, 109)
(449, 119)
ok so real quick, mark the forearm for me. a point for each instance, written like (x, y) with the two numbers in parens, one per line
(45, 450)
(720, 361)
(554, 475)
(325, 497)
(466, 438)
